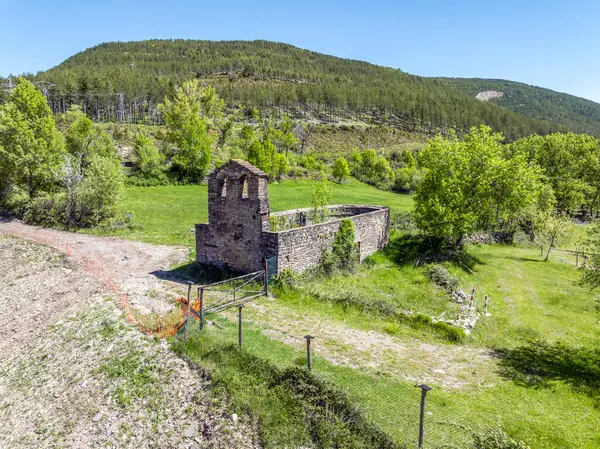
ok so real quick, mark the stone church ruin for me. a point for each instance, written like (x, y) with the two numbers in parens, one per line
(242, 232)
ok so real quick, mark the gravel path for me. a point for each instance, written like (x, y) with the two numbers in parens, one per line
(445, 365)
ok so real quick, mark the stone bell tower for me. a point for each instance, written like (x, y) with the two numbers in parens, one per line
(238, 213)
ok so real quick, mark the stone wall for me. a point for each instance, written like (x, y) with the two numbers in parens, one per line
(302, 248)
(238, 233)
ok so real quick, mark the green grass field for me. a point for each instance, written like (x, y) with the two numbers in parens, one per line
(167, 215)
(532, 366)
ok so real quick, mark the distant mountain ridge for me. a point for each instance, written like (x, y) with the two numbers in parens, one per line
(535, 102)
(284, 78)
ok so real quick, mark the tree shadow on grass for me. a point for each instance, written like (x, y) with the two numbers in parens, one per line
(196, 273)
(538, 364)
(417, 250)
(523, 259)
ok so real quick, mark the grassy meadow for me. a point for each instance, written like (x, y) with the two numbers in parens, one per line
(167, 214)
(531, 367)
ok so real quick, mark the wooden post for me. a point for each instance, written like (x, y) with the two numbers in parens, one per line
(486, 304)
(189, 300)
(472, 298)
(201, 308)
(308, 354)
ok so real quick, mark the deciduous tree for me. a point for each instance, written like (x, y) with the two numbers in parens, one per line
(340, 169)
(186, 118)
(470, 185)
(31, 148)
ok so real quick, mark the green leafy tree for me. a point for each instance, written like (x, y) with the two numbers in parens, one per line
(99, 191)
(281, 166)
(31, 148)
(150, 160)
(554, 229)
(409, 160)
(371, 168)
(470, 186)
(321, 195)
(186, 118)
(571, 164)
(590, 273)
(85, 139)
(341, 170)
(286, 138)
(262, 151)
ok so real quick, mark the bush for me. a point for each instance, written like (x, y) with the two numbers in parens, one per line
(288, 278)
(407, 179)
(150, 163)
(99, 191)
(439, 275)
(344, 254)
(344, 248)
(49, 211)
(341, 169)
(370, 168)
(403, 222)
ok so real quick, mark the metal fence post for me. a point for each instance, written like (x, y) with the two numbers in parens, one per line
(424, 389)
(266, 277)
(240, 308)
(308, 354)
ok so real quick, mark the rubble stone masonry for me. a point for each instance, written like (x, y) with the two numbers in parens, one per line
(238, 230)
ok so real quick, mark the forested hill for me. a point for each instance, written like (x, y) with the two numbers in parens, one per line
(534, 102)
(276, 76)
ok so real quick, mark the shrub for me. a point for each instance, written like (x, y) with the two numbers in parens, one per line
(288, 278)
(99, 191)
(150, 160)
(47, 211)
(407, 179)
(439, 275)
(403, 222)
(340, 169)
(329, 263)
(370, 168)
(344, 248)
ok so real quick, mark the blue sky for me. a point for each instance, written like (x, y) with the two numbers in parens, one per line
(550, 43)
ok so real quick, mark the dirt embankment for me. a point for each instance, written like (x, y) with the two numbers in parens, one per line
(73, 372)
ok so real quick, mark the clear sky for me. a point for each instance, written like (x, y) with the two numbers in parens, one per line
(550, 43)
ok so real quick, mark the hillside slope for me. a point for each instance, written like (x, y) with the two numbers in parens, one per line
(535, 102)
(277, 77)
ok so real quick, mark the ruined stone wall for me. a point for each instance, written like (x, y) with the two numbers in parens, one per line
(296, 218)
(302, 248)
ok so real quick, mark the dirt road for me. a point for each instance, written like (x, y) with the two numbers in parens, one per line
(123, 266)
(73, 372)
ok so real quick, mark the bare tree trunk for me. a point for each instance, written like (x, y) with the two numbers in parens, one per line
(549, 249)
